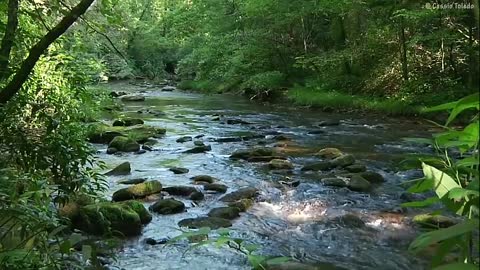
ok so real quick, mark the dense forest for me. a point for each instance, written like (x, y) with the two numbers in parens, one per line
(323, 102)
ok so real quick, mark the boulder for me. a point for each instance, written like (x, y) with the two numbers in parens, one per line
(319, 166)
(184, 139)
(372, 177)
(179, 170)
(124, 144)
(180, 190)
(124, 218)
(280, 164)
(211, 222)
(221, 188)
(199, 179)
(132, 98)
(122, 169)
(343, 160)
(242, 204)
(137, 191)
(167, 206)
(225, 212)
(329, 153)
(127, 122)
(199, 149)
(249, 153)
(356, 168)
(197, 196)
(243, 193)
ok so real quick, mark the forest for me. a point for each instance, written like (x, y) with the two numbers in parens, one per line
(239, 134)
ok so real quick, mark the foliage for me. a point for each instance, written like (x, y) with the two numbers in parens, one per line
(223, 238)
(454, 177)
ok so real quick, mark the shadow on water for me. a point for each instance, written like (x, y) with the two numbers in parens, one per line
(303, 222)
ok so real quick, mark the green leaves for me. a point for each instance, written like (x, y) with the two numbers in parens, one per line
(442, 182)
(457, 107)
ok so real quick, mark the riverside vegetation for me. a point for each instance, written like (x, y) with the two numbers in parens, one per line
(64, 206)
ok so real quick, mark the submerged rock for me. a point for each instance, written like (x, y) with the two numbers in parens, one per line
(372, 177)
(356, 168)
(168, 206)
(211, 222)
(124, 218)
(225, 212)
(122, 169)
(184, 139)
(243, 193)
(199, 179)
(349, 221)
(237, 122)
(180, 190)
(199, 149)
(327, 123)
(179, 170)
(124, 144)
(334, 182)
(137, 191)
(319, 166)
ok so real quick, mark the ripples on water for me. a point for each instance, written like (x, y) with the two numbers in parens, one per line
(289, 222)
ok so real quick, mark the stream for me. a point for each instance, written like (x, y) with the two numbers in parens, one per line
(300, 222)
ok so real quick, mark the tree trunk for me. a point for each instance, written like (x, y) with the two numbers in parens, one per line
(403, 50)
(39, 48)
(8, 38)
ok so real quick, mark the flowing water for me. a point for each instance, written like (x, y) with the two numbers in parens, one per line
(285, 221)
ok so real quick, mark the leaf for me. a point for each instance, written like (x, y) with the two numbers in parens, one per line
(424, 203)
(457, 266)
(441, 107)
(467, 162)
(463, 104)
(460, 193)
(421, 186)
(433, 237)
(251, 247)
(86, 252)
(256, 261)
(442, 182)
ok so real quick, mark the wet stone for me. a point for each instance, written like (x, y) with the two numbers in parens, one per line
(167, 207)
(179, 190)
(179, 170)
(184, 139)
(211, 222)
(225, 212)
(220, 188)
(204, 179)
(243, 193)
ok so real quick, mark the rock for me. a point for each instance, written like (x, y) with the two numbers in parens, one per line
(100, 133)
(204, 179)
(343, 160)
(111, 150)
(147, 147)
(225, 212)
(358, 183)
(184, 139)
(429, 221)
(117, 94)
(217, 118)
(334, 181)
(329, 153)
(150, 241)
(319, 166)
(132, 181)
(316, 132)
(280, 164)
(124, 144)
(198, 143)
(167, 207)
(281, 138)
(168, 88)
(356, 168)
(228, 139)
(249, 153)
(199, 149)
(199, 136)
(107, 217)
(372, 177)
(180, 190)
(243, 193)
(122, 169)
(294, 183)
(179, 170)
(349, 221)
(211, 222)
(264, 158)
(197, 196)
(237, 121)
(329, 123)
(126, 122)
(216, 187)
(132, 98)
(137, 191)
(242, 204)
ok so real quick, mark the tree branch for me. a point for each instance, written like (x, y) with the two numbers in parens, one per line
(39, 48)
(8, 38)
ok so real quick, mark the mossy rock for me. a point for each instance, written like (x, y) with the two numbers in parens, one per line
(329, 153)
(137, 191)
(343, 161)
(139, 208)
(225, 212)
(123, 219)
(180, 190)
(127, 122)
(243, 193)
(334, 182)
(198, 149)
(197, 196)
(372, 177)
(220, 188)
(358, 183)
(356, 168)
(104, 134)
(122, 169)
(204, 179)
(200, 222)
(431, 221)
(242, 205)
(249, 153)
(167, 206)
(124, 144)
(280, 164)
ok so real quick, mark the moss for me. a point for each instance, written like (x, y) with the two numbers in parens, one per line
(137, 191)
(145, 216)
(102, 133)
(428, 220)
(124, 144)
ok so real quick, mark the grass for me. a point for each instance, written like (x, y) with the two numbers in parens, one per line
(331, 100)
